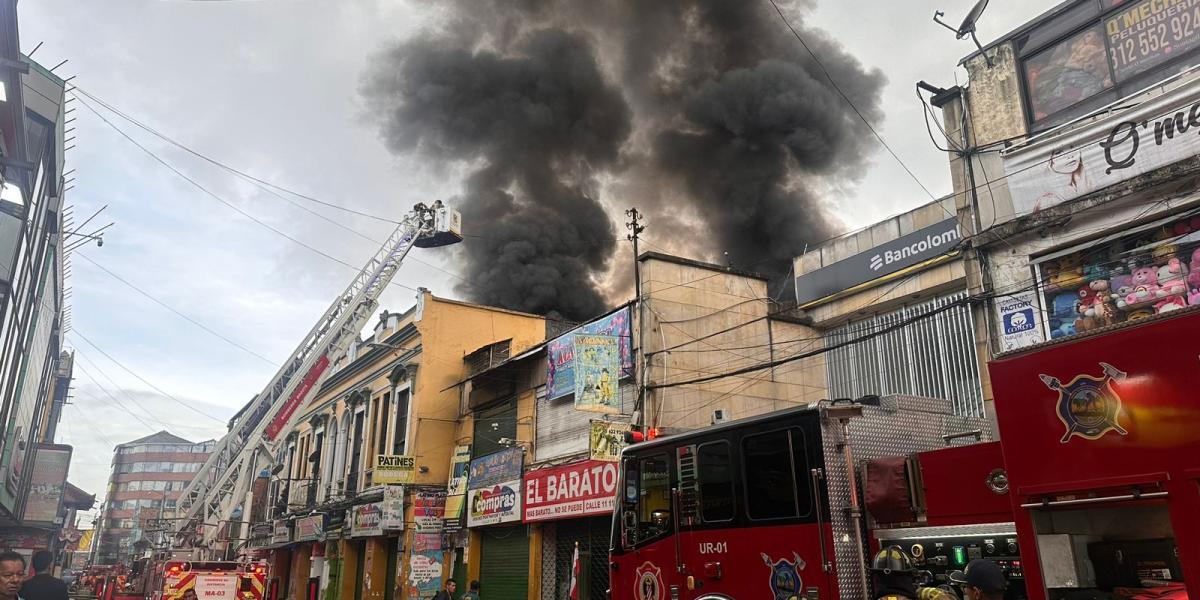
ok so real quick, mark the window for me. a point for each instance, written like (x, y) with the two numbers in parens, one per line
(492, 423)
(1071, 71)
(716, 482)
(401, 422)
(652, 495)
(385, 405)
(775, 475)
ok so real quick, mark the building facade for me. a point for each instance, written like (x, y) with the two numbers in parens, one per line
(356, 500)
(148, 476)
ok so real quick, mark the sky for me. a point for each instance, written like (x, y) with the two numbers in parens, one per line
(271, 87)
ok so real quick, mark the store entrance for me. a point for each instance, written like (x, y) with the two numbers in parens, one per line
(1119, 550)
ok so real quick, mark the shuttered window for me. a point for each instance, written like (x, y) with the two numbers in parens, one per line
(504, 563)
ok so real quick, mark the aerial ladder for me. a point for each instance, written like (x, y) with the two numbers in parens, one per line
(221, 487)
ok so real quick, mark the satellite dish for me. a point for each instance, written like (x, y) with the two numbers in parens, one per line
(967, 27)
(968, 24)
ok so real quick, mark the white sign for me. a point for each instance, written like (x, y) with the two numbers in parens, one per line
(393, 507)
(1066, 165)
(216, 586)
(500, 503)
(1019, 321)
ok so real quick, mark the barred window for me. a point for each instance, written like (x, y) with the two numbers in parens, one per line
(932, 357)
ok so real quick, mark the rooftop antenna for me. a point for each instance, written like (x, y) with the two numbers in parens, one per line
(967, 27)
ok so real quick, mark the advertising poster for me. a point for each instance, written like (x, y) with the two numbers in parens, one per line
(454, 513)
(459, 468)
(576, 490)
(366, 520)
(427, 542)
(429, 508)
(392, 507)
(393, 469)
(1018, 321)
(424, 574)
(500, 503)
(561, 352)
(596, 364)
(496, 467)
(1149, 33)
(281, 532)
(606, 438)
(310, 529)
(50, 463)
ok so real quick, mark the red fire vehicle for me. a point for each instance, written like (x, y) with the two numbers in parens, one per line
(213, 580)
(1093, 493)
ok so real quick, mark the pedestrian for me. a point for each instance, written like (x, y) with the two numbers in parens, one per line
(893, 577)
(12, 573)
(43, 585)
(446, 594)
(472, 592)
(982, 580)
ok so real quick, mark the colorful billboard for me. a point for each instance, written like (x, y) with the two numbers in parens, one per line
(606, 438)
(596, 364)
(456, 489)
(366, 520)
(49, 478)
(429, 508)
(500, 503)
(487, 471)
(575, 490)
(561, 352)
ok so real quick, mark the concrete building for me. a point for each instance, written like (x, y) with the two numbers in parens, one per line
(148, 475)
(337, 529)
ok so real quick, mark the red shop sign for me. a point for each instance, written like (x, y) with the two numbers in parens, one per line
(575, 490)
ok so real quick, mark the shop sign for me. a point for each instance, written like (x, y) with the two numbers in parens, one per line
(454, 513)
(311, 528)
(393, 507)
(424, 574)
(394, 468)
(596, 361)
(460, 465)
(281, 532)
(500, 503)
(1059, 168)
(606, 438)
(366, 520)
(487, 471)
(561, 352)
(576, 490)
(49, 478)
(25, 538)
(429, 508)
(1019, 321)
(882, 260)
(427, 542)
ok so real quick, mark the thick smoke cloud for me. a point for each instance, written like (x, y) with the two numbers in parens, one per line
(705, 114)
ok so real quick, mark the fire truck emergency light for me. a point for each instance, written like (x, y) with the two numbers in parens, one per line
(635, 436)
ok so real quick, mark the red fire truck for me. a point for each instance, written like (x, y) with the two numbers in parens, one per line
(213, 580)
(1093, 493)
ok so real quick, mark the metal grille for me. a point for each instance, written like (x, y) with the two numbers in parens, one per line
(558, 549)
(932, 357)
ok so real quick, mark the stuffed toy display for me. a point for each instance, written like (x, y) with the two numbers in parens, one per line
(1145, 285)
(1172, 278)
(1169, 304)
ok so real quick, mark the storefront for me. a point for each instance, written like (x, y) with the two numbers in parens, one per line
(370, 554)
(1103, 460)
(279, 585)
(573, 505)
(494, 518)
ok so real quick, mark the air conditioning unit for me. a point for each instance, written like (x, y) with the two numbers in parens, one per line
(719, 416)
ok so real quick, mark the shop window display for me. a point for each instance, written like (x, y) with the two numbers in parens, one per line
(1145, 274)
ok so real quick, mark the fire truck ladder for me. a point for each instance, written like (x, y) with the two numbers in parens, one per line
(220, 486)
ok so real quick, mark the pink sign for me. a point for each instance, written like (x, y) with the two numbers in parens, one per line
(575, 490)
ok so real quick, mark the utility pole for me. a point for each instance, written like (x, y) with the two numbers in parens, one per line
(635, 229)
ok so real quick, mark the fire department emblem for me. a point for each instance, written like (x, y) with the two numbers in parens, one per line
(1089, 406)
(785, 576)
(647, 582)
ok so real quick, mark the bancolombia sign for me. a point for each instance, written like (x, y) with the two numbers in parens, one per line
(1065, 166)
(498, 504)
(884, 259)
(581, 489)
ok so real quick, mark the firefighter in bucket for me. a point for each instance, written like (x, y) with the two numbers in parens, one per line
(893, 577)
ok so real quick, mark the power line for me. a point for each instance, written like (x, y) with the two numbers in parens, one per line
(76, 332)
(173, 310)
(850, 103)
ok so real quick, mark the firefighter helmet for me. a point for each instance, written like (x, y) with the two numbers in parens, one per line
(892, 560)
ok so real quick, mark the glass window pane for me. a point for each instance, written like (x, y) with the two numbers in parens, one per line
(654, 505)
(716, 482)
(768, 475)
(1068, 72)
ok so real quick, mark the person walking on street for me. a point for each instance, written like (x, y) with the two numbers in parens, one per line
(446, 594)
(12, 573)
(43, 585)
(472, 591)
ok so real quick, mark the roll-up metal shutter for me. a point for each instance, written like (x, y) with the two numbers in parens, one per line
(504, 563)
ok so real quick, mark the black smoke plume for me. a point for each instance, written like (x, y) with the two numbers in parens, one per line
(708, 115)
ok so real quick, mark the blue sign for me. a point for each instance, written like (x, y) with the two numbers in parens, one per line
(560, 352)
(496, 468)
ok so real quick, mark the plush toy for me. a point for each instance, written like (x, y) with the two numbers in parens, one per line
(1098, 294)
(1139, 314)
(1145, 285)
(1066, 274)
(1084, 309)
(1120, 287)
(1193, 277)
(1194, 297)
(1169, 304)
(1062, 315)
(1171, 278)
